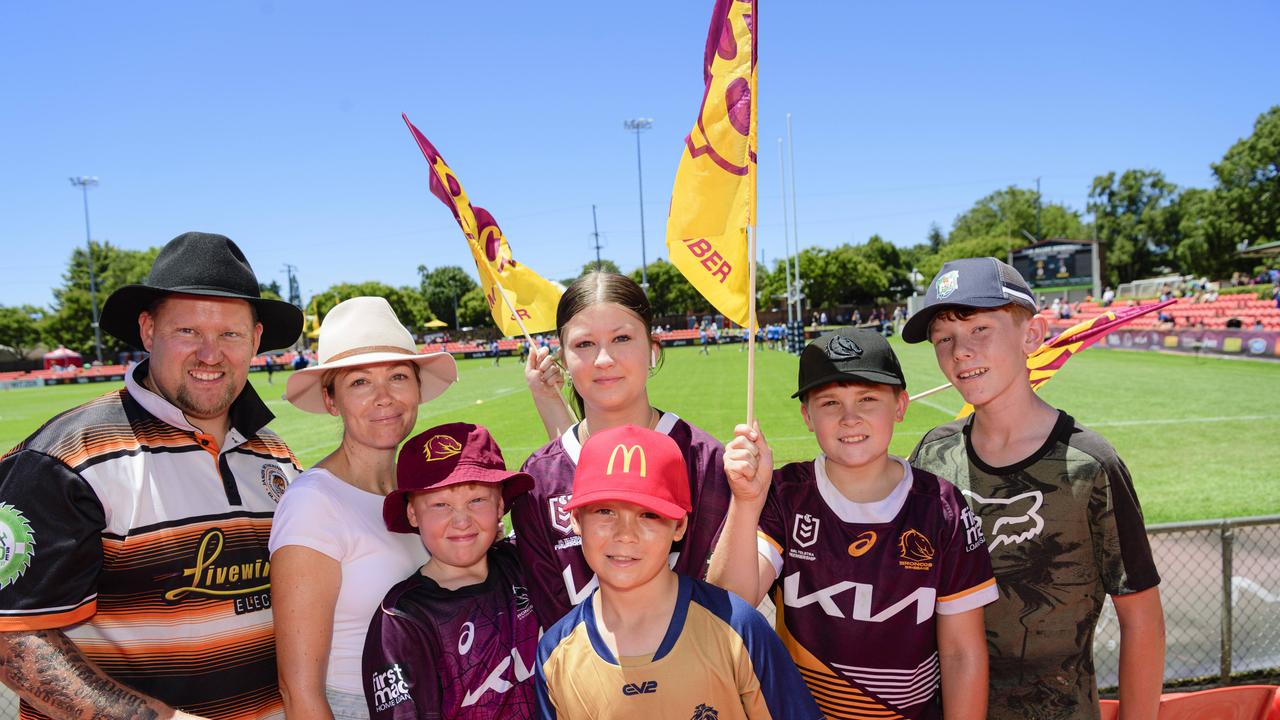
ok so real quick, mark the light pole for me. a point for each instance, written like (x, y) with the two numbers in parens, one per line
(639, 125)
(84, 183)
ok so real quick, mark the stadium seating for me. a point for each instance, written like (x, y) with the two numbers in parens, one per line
(1110, 709)
(1187, 314)
(1240, 702)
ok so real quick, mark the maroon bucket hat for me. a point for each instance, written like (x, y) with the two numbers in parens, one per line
(449, 455)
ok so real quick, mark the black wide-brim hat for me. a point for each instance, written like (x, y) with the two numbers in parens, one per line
(197, 263)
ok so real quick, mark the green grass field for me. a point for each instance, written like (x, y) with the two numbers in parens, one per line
(1198, 433)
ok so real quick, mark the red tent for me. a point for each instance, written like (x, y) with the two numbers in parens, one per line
(62, 357)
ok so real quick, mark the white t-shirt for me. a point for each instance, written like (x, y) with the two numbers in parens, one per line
(321, 512)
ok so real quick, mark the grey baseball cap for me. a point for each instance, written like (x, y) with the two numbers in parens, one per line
(969, 283)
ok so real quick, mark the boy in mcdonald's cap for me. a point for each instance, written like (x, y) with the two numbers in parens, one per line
(457, 639)
(1057, 502)
(878, 570)
(650, 643)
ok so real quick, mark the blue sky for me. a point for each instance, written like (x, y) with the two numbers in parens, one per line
(277, 123)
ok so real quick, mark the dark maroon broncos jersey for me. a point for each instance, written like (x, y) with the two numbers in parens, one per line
(453, 654)
(552, 554)
(860, 586)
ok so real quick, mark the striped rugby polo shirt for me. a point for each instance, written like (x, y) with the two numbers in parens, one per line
(145, 541)
(860, 586)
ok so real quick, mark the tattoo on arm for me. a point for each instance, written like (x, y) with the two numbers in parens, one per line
(49, 671)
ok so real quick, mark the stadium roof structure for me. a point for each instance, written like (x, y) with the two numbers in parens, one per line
(1265, 250)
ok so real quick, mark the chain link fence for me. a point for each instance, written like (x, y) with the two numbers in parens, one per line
(1220, 585)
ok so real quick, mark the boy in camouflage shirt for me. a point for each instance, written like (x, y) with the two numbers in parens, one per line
(1056, 503)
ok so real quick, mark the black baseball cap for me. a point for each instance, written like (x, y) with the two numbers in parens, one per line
(849, 355)
(969, 283)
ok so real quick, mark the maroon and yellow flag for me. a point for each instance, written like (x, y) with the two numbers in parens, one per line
(534, 298)
(713, 201)
(1051, 356)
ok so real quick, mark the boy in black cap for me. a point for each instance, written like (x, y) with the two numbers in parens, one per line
(878, 570)
(1056, 501)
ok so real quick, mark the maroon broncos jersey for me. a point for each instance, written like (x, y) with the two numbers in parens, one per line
(445, 654)
(860, 586)
(552, 554)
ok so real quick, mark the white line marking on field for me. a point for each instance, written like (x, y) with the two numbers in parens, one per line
(1181, 421)
(936, 406)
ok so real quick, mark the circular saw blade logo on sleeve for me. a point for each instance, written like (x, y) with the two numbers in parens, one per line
(440, 447)
(17, 545)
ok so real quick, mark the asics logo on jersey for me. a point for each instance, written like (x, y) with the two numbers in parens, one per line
(863, 593)
(627, 452)
(1017, 518)
(805, 530)
(640, 688)
(866, 540)
(440, 447)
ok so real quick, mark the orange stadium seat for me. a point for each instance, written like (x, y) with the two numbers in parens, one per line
(1110, 709)
(1241, 702)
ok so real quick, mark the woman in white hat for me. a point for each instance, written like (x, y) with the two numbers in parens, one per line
(332, 558)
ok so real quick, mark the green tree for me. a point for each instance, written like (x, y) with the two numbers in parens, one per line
(605, 265)
(936, 238)
(670, 293)
(997, 247)
(1249, 181)
(889, 260)
(70, 321)
(840, 275)
(20, 327)
(473, 309)
(271, 290)
(1207, 235)
(1012, 211)
(1136, 220)
(407, 302)
(443, 289)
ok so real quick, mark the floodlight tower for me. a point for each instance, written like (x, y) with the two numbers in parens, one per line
(639, 125)
(84, 183)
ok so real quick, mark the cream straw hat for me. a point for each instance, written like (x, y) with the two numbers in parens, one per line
(365, 331)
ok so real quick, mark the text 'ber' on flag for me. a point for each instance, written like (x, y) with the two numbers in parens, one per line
(713, 203)
(1049, 358)
(533, 297)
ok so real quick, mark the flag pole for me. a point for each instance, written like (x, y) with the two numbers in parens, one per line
(751, 325)
(527, 337)
(930, 391)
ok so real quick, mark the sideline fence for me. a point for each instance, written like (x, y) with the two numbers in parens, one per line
(1220, 585)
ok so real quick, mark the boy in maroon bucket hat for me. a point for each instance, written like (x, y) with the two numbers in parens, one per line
(458, 638)
(650, 643)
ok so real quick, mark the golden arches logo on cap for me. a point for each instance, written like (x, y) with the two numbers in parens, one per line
(628, 452)
(440, 447)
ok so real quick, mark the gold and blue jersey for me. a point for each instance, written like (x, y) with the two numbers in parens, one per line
(719, 659)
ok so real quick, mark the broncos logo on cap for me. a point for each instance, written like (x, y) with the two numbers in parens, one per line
(440, 447)
(843, 348)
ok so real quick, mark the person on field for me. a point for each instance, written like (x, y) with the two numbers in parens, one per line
(1057, 505)
(457, 639)
(676, 647)
(603, 321)
(135, 580)
(879, 570)
(332, 558)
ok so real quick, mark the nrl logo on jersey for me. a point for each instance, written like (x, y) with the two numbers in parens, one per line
(804, 533)
(1017, 518)
(560, 519)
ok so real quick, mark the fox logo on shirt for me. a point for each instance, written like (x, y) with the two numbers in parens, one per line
(1019, 519)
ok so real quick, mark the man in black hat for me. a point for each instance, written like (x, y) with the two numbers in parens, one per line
(134, 580)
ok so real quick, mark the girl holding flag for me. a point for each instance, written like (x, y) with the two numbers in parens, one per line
(603, 321)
